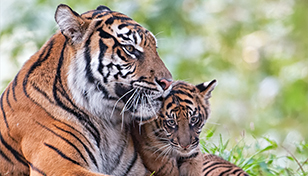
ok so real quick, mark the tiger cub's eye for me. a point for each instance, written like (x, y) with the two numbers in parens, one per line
(194, 120)
(171, 123)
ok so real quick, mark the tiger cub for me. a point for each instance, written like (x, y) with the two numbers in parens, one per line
(68, 111)
(169, 145)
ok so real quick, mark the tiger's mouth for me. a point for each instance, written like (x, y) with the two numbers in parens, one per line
(183, 152)
(142, 102)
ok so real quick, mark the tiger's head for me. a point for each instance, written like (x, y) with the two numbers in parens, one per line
(183, 114)
(115, 62)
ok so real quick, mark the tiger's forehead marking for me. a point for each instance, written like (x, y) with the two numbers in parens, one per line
(127, 36)
(126, 30)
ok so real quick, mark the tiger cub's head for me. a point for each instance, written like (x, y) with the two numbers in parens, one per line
(183, 114)
(114, 63)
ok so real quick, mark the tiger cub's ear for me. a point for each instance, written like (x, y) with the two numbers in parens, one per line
(206, 88)
(71, 24)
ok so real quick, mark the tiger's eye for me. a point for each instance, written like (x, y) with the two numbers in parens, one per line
(129, 48)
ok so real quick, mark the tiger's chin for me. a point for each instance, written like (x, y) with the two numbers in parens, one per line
(181, 152)
(146, 111)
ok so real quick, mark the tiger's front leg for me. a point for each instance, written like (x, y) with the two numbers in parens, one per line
(73, 171)
(55, 150)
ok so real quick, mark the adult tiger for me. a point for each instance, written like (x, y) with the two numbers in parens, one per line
(64, 112)
(169, 145)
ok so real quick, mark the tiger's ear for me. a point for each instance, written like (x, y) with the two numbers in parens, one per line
(70, 23)
(206, 88)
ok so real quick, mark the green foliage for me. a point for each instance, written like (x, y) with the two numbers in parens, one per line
(258, 158)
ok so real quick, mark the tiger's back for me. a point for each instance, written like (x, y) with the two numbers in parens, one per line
(214, 165)
(62, 113)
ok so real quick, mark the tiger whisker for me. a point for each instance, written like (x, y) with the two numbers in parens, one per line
(132, 101)
(141, 107)
(150, 103)
(160, 148)
(124, 108)
(168, 152)
(162, 154)
(115, 104)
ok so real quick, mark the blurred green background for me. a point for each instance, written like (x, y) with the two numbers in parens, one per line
(256, 49)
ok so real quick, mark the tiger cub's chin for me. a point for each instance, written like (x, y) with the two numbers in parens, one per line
(183, 152)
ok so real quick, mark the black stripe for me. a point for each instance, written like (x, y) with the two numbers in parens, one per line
(3, 112)
(37, 64)
(169, 105)
(181, 160)
(81, 116)
(218, 165)
(120, 56)
(123, 37)
(61, 154)
(110, 20)
(122, 26)
(103, 48)
(142, 79)
(182, 92)
(173, 166)
(84, 146)
(205, 163)
(101, 15)
(87, 57)
(7, 97)
(188, 102)
(123, 18)
(238, 170)
(160, 170)
(119, 67)
(19, 157)
(131, 163)
(14, 84)
(225, 172)
(71, 127)
(104, 34)
(115, 17)
(135, 38)
(98, 23)
(66, 140)
(129, 73)
(43, 93)
(6, 157)
(120, 154)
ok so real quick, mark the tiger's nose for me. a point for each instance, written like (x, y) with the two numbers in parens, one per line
(164, 83)
(185, 147)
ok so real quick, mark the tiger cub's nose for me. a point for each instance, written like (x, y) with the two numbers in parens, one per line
(164, 83)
